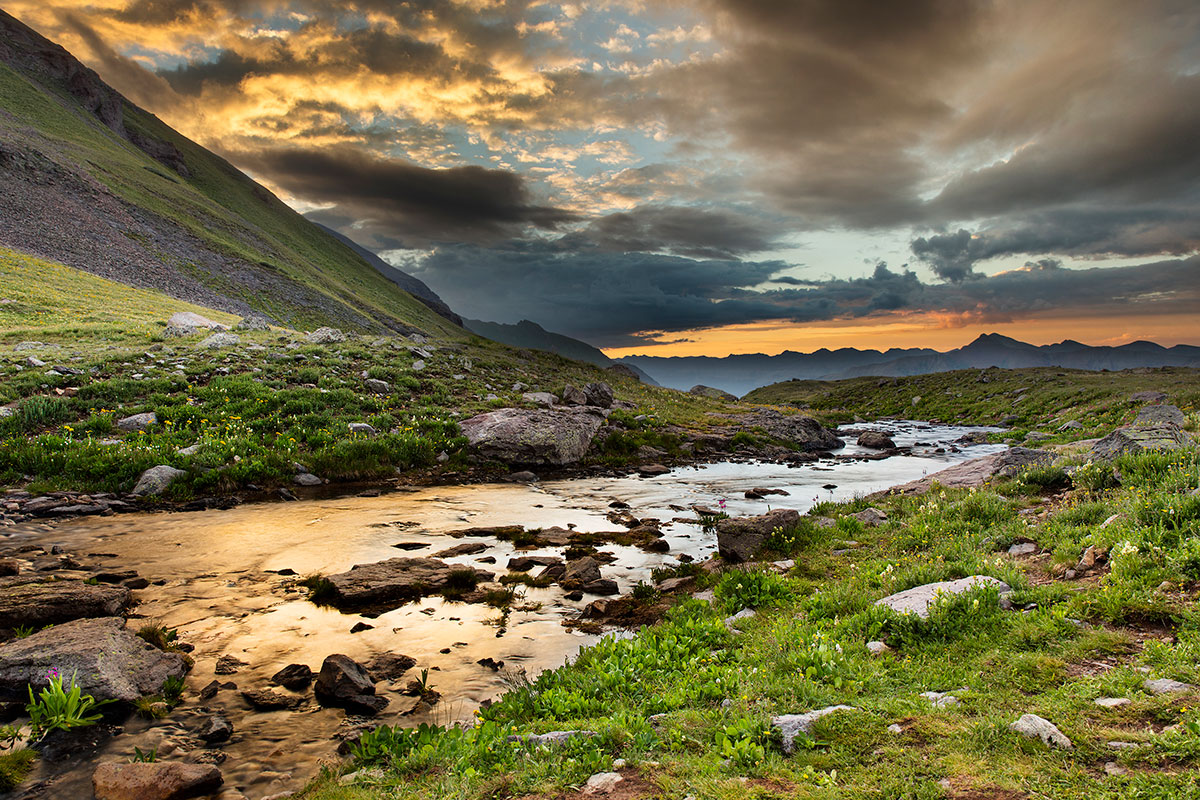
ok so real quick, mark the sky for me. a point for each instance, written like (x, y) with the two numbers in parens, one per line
(685, 177)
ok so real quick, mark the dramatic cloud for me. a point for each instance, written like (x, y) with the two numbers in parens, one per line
(618, 167)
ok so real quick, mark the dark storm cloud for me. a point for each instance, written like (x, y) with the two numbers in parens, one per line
(420, 203)
(694, 232)
(611, 299)
(142, 87)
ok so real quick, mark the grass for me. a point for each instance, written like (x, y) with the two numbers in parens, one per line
(1041, 399)
(687, 702)
(15, 766)
(257, 409)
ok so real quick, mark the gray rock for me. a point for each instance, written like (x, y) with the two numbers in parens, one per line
(978, 471)
(602, 783)
(216, 729)
(940, 699)
(878, 648)
(190, 319)
(876, 440)
(190, 450)
(344, 683)
(580, 571)
(107, 660)
(377, 386)
(306, 479)
(1111, 702)
(652, 470)
(543, 399)
(919, 599)
(268, 700)
(398, 579)
(418, 365)
(156, 479)
(28, 601)
(523, 476)
(746, 613)
(1148, 397)
(1159, 415)
(253, 322)
(1070, 425)
(741, 538)
(154, 780)
(219, 340)
(1137, 439)
(1023, 549)
(362, 427)
(21, 347)
(138, 422)
(389, 666)
(599, 394)
(871, 517)
(552, 738)
(325, 336)
(792, 725)
(804, 433)
(1032, 726)
(524, 436)
(573, 396)
(1167, 686)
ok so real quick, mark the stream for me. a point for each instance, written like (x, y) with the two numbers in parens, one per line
(223, 593)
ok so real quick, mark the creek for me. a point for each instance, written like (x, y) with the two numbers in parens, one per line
(223, 592)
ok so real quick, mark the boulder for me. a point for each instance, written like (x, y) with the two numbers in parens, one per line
(138, 422)
(362, 427)
(397, 580)
(579, 572)
(602, 783)
(108, 661)
(254, 322)
(871, 517)
(216, 729)
(978, 471)
(1032, 726)
(27, 601)
(154, 780)
(156, 479)
(792, 725)
(524, 436)
(389, 666)
(377, 386)
(1159, 415)
(325, 336)
(1138, 438)
(573, 396)
(219, 340)
(918, 599)
(293, 676)
(306, 479)
(876, 440)
(652, 470)
(741, 538)
(805, 433)
(1167, 686)
(344, 683)
(714, 394)
(599, 394)
(186, 319)
(1148, 397)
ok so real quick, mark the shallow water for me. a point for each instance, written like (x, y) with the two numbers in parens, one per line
(222, 599)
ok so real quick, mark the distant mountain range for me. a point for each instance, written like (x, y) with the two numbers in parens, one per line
(741, 373)
(534, 337)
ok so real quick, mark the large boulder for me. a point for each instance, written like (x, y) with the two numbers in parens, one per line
(185, 323)
(1139, 438)
(579, 572)
(1159, 415)
(573, 396)
(532, 436)
(599, 394)
(397, 580)
(156, 479)
(978, 471)
(344, 683)
(741, 538)
(876, 440)
(325, 336)
(219, 340)
(918, 599)
(106, 659)
(805, 433)
(34, 603)
(137, 422)
(154, 780)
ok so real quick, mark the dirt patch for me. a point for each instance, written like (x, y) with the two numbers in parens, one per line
(962, 788)
(633, 787)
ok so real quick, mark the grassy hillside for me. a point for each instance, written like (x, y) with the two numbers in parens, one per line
(1042, 399)
(247, 239)
(257, 407)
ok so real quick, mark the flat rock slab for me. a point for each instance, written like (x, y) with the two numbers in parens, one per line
(977, 471)
(36, 604)
(533, 436)
(792, 725)
(397, 580)
(1167, 686)
(107, 660)
(918, 599)
(154, 780)
(1139, 438)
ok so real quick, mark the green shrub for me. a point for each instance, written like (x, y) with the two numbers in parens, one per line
(60, 707)
(738, 589)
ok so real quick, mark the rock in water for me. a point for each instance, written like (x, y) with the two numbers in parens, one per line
(27, 601)
(805, 433)
(293, 676)
(156, 479)
(579, 572)
(741, 538)
(398, 579)
(532, 436)
(1034, 727)
(344, 683)
(154, 780)
(918, 599)
(876, 440)
(108, 661)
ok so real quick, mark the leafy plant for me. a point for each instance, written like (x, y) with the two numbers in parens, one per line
(743, 742)
(61, 706)
(751, 589)
(141, 756)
